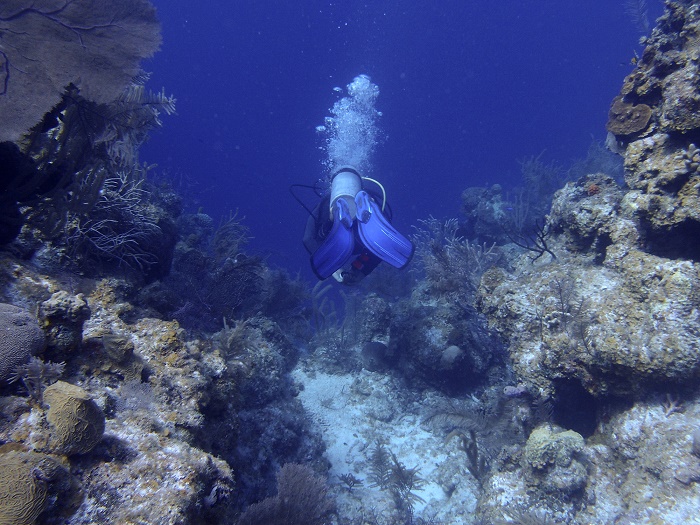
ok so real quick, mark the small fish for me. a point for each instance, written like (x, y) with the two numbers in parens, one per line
(635, 59)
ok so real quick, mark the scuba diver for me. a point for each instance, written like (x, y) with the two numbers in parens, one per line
(349, 232)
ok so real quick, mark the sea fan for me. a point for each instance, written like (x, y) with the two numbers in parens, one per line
(639, 13)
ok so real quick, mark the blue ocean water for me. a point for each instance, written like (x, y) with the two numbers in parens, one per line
(467, 89)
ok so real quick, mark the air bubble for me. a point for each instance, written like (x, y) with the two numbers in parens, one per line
(351, 132)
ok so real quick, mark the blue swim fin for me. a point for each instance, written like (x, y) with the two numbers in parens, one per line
(336, 250)
(379, 236)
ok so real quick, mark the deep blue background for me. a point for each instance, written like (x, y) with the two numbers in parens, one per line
(467, 89)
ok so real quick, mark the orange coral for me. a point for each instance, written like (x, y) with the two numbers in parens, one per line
(592, 189)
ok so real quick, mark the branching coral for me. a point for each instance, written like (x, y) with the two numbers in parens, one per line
(380, 466)
(477, 461)
(230, 237)
(536, 241)
(451, 262)
(403, 482)
(482, 427)
(302, 499)
(37, 375)
(94, 199)
(387, 472)
(540, 178)
(119, 226)
(690, 159)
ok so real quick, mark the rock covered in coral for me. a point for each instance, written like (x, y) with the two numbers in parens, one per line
(638, 468)
(20, 338)
(662, 91)
(651, 442)
(113, 354)
(258, 355)
(158, 473)
(77, 423)
(147, 466)
(607, 314)
(158, 347)
(152, 478)
(661, 159)
(695, 447)
(255, 420)
(617, 312)
(63, 315)
(443, 344)
(662, 172)
(375, 319)
(614, 332)
(587, 214)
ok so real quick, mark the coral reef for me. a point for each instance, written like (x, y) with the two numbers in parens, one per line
(596, 329)
(230, 284)
(143, 466)
(539, 365)
(627, 320)
(659, 158)
(492, 215)
(253, 419)
(443, 343)
(665, 73)
(154, 411)
(614, 316)
(484, 212)
(436, 334)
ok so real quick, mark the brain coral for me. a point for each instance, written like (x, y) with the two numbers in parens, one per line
(20, 338)
(77, 423)
(548, 446)
(24, 479)
(551, 453)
